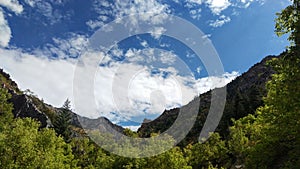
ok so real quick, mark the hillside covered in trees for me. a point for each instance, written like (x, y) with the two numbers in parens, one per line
(260, 127)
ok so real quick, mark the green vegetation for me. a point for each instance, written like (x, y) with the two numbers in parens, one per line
(62, 122)
(7, 83)
(269, 138)
(23, 145)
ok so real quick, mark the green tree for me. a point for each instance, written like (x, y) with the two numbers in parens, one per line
(244, 134)
(288, 22)
(279, 143)
(171, 159)
(6, 115)
(130, 133)
(88, 155)
(212, 152)
(22, 145)
(62, 122)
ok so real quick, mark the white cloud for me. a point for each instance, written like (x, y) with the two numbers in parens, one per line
(150, 11)
(64, 48)
(12, 5)
(198, 70)
(196, 1)
(133, 128)
(246, 3)
(49, 79)
(220, 22)
(34, 3)
(154, 11)
(5, 32)
(156, 32)
(144, 44)
(168, 57)
(45, 8)
(205, 84)
(129, 88)
(195, 13)
(30, 2)
(217, 6)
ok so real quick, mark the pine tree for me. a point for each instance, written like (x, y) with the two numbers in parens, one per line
(62, 122)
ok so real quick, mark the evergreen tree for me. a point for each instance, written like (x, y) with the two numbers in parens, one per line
(62, 122)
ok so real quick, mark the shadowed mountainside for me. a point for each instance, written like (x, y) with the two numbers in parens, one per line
(244, 96)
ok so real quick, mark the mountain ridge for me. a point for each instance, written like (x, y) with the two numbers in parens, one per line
(26, 104)
(244, 96)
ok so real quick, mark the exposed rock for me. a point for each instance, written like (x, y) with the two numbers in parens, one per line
(101, 124)
(24, 107)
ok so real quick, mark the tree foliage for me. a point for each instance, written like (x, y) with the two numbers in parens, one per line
(268, 139)
(23, 145)
(288, 22)
(62, 122)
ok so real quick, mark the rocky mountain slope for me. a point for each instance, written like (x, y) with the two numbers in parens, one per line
(26, 104)
(244, 96)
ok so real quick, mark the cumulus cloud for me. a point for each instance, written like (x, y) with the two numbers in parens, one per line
(196, 13)
(168, 57)
(12, 5)
(65, 48)
(207, 83)
(49, 79)
(154, 11)
(45, 8)
(246, 3)
(150, 11)
(156, 32)
(5, 32)
(123, 90)
(220, 22)
(34, 3)
(217, 7)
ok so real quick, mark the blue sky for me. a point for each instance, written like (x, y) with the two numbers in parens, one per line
(41, 42)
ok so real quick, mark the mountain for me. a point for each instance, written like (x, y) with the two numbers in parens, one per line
(26, 104)
(244, 96)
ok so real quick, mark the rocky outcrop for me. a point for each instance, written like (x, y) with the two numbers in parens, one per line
(101, 124)
(24, 107)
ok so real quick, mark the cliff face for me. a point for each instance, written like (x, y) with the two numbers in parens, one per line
(24, 107)
(23, 104)
(244, 96)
